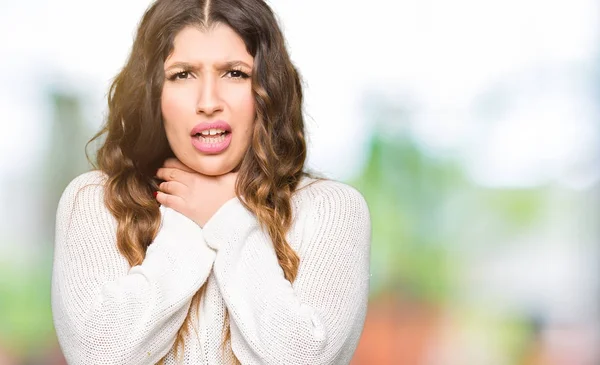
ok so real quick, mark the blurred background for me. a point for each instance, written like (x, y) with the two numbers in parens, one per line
(471, 128)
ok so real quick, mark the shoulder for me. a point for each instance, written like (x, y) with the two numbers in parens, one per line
(88, 182)
(334, 202)
(84, 191)
(94, 177)
(333, 216)
(335, 194)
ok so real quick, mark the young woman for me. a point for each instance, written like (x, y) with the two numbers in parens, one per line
(200, 238)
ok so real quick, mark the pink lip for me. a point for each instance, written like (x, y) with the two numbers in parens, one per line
(211, 148)
(219, 124)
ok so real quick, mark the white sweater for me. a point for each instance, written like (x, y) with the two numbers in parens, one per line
(106, 312)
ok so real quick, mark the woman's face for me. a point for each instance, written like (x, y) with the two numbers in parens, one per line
(207, 103)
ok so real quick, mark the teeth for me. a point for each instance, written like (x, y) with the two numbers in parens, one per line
(212, 132)
(210, 140)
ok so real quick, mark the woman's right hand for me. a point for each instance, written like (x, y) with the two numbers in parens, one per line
(192, 194)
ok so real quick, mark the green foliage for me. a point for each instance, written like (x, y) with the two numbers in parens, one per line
(424, 209)
(405, 190)
(26, 321)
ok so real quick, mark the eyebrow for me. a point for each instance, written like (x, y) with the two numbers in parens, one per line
(220, 66)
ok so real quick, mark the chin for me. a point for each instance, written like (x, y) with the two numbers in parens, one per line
(210, 166)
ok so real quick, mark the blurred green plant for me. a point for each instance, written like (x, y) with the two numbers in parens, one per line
(426, 211)
(26, 323)
(406, 191)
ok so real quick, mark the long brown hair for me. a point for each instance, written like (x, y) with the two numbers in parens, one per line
(136, 145)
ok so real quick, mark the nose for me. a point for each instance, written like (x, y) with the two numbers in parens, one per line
(209, 100)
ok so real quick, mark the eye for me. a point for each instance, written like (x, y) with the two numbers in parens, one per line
(180, 76)
(237, 74)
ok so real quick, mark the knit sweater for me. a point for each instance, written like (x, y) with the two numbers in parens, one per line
(106, 312)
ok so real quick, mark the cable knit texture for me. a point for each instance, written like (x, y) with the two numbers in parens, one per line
(106, 312)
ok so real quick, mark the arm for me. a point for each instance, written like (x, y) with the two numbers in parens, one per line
(318, 319)
(106, 312)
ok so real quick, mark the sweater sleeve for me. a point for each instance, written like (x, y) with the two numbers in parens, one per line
(319, 318)
(106, 312)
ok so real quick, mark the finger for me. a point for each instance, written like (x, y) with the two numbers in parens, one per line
(171, 201)
(172, 174)
(172, 162)
(173, 188)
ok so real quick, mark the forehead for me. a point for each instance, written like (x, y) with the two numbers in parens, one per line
(215, 44)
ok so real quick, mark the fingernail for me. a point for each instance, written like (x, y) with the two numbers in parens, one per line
(155, 193)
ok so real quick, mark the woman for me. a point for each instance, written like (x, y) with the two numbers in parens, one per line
(200, 239)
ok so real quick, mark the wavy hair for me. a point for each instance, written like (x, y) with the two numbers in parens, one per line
(135, 143)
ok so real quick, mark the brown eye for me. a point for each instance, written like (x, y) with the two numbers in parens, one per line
(180, 76)
(237, 74)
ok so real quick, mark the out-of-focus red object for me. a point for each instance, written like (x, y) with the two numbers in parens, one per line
(396, 332)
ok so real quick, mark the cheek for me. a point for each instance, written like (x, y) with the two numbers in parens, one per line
(251, 106)
(175, 106)
(171, 105)
(245, 108)
(246, 116)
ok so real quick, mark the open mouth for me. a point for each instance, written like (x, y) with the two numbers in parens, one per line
(212, 136)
